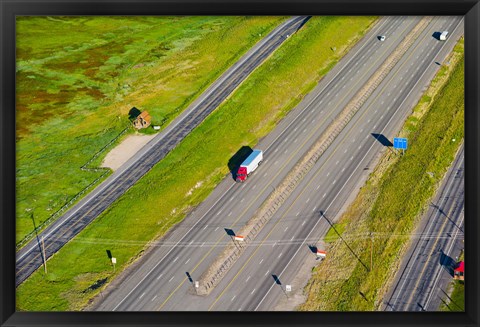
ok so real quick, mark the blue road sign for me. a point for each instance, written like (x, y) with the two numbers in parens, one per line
(400, 143)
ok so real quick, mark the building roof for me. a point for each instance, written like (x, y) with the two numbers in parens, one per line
(145, 116)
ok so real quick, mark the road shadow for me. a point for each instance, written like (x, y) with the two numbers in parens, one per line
(436, 35)
(433, 205)
(38, 238)
(236, 160)
(133, 113)
(447, 263)
(382, 139)
(340, 236)
(189, 277)
(303, 22)
(229, 232)
(276, 279)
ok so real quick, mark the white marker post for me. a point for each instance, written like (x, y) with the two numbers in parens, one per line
(114, 261)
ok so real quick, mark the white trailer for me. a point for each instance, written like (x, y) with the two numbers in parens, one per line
(249, 165)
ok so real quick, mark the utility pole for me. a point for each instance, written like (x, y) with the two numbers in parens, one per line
(44, 256)
(371, 252)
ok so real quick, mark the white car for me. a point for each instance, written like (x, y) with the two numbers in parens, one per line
(381, 38)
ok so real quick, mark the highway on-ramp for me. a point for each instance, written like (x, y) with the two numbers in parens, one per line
(30, 257)
(164, 278)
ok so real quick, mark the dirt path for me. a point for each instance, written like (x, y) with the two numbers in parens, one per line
(125, 150)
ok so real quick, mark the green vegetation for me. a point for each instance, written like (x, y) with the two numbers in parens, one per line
(78, 78)
(186, 176)
(334, 232)
(346, 280)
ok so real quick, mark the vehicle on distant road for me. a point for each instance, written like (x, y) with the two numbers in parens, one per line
(381, 38)
(249, 165)
(443, 36)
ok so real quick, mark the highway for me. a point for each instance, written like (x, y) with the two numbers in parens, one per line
(427, 268)
(30, 257)
(163, 278)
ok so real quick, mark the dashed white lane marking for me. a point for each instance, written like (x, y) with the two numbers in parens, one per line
(187, 261)
(351, 158)
(265, 174)
(318, 187)
(159, 276)
(285, 151)
(273, 245)
(286, 228)
(242, 200)
(216, 229)
(337, 162)
(267, 272)
(307, 200)
(304, 130)
(175, 259)
(154, 298)
(276, 162)
(253, 291)
(334, 181)
(324, 195)
(292, 238)
(375, 126)
(219, 212)
(142, 295)
(230, 213)
(297, 214)
(247, 279)
(343, 169)
(240, 309)
(303, 223)
(276, 150)
(254, 186)
(260, 262)
(202, 244)
(328, 174)
(315, 208)
(233, 298)
(205, 227)
(171, 279)
(230, 199)
(280, 255)
(295, 141)
(304, 119)
(345, 151)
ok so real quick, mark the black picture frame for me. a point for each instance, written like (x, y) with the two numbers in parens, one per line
(12, 8)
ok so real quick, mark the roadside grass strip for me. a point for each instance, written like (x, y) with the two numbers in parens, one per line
(346, 280)
(188, 174)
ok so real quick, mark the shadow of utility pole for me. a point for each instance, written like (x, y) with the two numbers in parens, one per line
(38, 238)
(340, 236)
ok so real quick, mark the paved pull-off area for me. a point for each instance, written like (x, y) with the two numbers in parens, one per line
(31, 256)
(164, 278)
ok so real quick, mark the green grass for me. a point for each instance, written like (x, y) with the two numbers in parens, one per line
(347, 281)
(164, 196)
(456, 300)
(78, 77)
(334, 232)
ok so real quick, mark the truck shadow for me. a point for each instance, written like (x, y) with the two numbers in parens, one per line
(236, 160)
(447, 262)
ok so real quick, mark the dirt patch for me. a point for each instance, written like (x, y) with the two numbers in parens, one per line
(125, 150)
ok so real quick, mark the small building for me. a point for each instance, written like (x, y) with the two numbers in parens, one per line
(459, 271)
(142, 121)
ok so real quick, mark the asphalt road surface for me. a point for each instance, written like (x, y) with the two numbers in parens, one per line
(163, 278)
(426, 271)
(30, 257)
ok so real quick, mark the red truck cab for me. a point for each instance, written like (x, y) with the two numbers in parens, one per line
(242, 174)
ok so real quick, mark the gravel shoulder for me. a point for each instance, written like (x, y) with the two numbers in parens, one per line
(125, 150)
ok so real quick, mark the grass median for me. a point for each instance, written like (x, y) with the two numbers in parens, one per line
(190, 172)
(355, 275)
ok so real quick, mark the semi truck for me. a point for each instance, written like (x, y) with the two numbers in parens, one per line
(249, 165)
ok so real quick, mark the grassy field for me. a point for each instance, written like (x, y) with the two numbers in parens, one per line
(186, 176)
(346, 280)
(78, 77)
